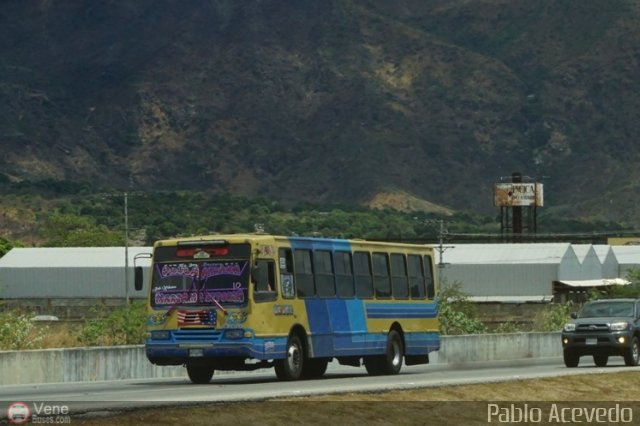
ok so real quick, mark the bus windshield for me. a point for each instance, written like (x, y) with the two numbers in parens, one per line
(195, 282)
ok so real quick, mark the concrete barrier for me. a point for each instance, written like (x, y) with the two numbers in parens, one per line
(498, 347)
(130, 362)
(80, 365)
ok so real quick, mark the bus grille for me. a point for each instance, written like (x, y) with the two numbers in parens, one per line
(197, 335)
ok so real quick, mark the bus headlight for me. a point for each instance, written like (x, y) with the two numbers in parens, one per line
(160, 335)
(234, 333)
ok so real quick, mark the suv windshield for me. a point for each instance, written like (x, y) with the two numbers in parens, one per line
(607, 309)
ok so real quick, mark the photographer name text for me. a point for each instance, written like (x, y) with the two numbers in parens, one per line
(557, 413)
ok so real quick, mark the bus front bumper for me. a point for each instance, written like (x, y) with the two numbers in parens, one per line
(176, 350)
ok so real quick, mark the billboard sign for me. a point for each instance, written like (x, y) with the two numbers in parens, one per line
(518, 194)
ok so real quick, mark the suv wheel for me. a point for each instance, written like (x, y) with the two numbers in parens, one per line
(571, 359)
(601, 360)
(632, 355)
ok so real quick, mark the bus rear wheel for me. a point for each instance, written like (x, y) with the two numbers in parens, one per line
(373, 364)
(290, 368)
(200, 374)
(391, 362)
(314, 368)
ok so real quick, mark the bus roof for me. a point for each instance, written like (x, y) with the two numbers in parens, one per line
(294, 240)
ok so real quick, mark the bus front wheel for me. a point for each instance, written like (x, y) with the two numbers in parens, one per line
(200, 374)
(290, 368)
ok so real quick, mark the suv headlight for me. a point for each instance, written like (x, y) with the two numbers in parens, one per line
(619, 326)
(569, 327)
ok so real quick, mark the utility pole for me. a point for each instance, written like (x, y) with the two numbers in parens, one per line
(126, 195)
(516, 209)
(126, 248)
(126, 240)
(441, 248)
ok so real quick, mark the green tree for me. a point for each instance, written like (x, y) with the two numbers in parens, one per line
(69, 230)
(6, 245)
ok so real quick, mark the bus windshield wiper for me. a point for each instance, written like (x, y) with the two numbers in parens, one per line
(224, 311)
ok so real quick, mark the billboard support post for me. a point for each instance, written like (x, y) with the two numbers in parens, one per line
(511, 197)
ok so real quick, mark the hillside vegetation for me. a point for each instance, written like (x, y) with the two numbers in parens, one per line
(331, 102)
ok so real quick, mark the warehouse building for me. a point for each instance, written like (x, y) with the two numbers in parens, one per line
(608, 261)
(510, 272)
(67, 281)
(628, 258)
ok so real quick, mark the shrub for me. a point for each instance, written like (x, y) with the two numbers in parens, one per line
(19, 330)
(121, 326)
(508, 327)
(456, 313)
(557, 315)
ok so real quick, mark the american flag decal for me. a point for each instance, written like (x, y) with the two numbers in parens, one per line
(196, 318)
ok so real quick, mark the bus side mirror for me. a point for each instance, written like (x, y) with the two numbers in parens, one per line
(138, 277)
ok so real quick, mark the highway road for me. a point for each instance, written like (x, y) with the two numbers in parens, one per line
(90, 397)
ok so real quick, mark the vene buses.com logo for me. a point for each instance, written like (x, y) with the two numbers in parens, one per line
(18, 413)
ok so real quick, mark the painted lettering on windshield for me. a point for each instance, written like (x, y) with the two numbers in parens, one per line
(198, 296)
(218, 269)
(200, 283)
(208, 270)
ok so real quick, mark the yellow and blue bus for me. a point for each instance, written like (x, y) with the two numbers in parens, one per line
(248, 301)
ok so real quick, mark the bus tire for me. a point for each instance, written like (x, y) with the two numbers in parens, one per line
(199, 374)
(290, 368)
(373, 364)
(392, 361)
(314, 368)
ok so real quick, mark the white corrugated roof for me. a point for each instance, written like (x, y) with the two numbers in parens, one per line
(627, 254)
(581, 250)
(506, 253)
(602, 251)
(72, 257)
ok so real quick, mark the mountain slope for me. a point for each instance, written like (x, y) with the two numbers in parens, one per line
(327, 101)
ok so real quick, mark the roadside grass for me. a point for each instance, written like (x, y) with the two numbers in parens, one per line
(63, 334)
(463, 404)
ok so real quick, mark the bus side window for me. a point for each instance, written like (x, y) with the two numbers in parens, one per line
(416, 277)
(286, 260)
(287, 285)
(266, 276)
(303, 273)
(344, 274)
(323, 268)
(431, 291)
(362, 269)
(381, 280)
(399, 276)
